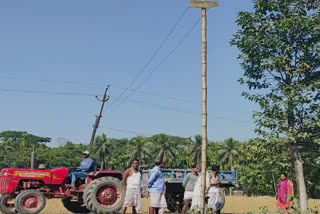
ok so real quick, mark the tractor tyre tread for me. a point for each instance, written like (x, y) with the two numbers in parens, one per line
(90, 199)
(19, 201)
(3, 208)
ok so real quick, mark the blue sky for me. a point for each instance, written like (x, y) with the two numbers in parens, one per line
(82, 46)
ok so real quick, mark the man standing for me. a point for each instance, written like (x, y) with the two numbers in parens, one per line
(188, 184)
(156, 189)
(86, 166)
(197, 192)
(132, 181)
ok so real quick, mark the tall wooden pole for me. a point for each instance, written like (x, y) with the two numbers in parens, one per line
(204, 5)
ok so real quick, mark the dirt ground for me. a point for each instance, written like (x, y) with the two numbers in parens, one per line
(234, 204)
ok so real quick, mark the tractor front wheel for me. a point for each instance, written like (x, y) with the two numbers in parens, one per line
(30, 202)
(104, 195)
(7, 204)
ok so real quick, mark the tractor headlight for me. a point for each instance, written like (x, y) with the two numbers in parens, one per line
(4, 174)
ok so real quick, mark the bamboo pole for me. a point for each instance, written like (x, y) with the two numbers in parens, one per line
(204, 5)
(204, 108)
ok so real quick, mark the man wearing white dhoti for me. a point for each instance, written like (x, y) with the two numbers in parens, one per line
(132, 181)
(197, 192)
(216, 199)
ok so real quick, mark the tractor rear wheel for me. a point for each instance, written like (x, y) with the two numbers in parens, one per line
(104, 195)
(74, 206)
(7, 204)
(30, 202)
(174, 202)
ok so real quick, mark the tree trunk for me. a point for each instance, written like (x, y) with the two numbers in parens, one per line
(301, 186)
(297, 160)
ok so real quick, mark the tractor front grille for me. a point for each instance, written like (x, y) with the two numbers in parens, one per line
(4, 184)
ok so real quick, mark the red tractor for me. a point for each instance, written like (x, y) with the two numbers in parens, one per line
(26, 191)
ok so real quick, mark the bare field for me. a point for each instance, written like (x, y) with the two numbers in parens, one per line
(234, 204)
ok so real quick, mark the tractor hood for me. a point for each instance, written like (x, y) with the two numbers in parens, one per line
(11, 178)
(26, 173)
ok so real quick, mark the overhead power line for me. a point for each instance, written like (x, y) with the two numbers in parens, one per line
(179, 99)
(51, 81)
(47, 92)
(163, 60)
(126, 131)
(152, 57)
(134, 101)
(179, 110)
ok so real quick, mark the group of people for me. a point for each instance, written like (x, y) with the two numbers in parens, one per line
(193, 190)
(157, 189)
(191, 183)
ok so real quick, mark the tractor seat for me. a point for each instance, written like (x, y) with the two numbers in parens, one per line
(82, 181)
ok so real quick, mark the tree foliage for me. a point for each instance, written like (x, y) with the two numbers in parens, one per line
(194, 148)
(229, 152)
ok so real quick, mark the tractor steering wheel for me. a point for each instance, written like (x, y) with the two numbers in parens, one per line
(72, 169)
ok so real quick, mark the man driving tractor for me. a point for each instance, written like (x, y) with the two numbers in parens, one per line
(86, 166)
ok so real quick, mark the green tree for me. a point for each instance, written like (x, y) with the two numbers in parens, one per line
(19, 144)
(6, 145)
(68, 155)
(23, 142)
(213, 156)
(280, 52)
(229, 151)
(120, 158)
(16, 136)
(256, 180)
(166, 148)
(194, 149)
(261, 163)
(140, 148)
(102, 150)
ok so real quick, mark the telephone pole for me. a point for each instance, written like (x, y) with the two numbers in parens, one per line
(204, 5)
(96, 124)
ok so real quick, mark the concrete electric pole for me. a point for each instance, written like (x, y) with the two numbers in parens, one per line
(204, 5)
(96, 124)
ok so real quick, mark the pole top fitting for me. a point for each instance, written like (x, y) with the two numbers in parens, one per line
(204, 4)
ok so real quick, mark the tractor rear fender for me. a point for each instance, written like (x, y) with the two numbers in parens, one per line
(105, 173)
